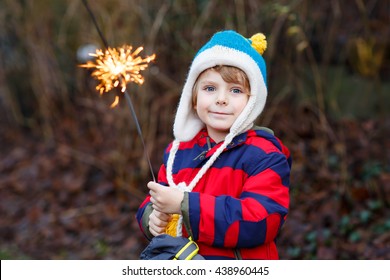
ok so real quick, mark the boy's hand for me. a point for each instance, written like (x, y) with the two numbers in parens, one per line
(158, 222)
(165, 199)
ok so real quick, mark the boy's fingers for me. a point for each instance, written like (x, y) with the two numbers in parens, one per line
(154, 231)
(156, 207)
(162, 215)
(153, 186)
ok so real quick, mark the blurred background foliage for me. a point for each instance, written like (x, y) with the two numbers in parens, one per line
(72, 170)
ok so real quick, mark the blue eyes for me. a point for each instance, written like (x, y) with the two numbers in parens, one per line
(212, 89)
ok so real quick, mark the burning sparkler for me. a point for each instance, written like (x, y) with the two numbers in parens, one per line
(116, 68)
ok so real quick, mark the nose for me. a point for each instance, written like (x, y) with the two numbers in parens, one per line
(222, 98)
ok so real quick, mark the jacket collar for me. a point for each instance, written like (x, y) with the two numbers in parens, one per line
(208, 144)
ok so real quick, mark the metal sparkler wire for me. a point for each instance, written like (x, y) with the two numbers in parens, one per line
(127, 95)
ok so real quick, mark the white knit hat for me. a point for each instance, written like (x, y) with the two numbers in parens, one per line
(224, 48)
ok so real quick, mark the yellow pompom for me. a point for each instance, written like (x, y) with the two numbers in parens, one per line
(259, 42)
(171, 228)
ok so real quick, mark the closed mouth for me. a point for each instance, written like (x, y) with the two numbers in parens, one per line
(220, 113)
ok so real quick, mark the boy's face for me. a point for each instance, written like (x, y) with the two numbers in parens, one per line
(219, 103)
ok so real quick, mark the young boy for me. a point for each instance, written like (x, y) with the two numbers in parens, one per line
(228, 180)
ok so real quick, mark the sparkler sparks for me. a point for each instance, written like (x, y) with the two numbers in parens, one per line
(118, 67)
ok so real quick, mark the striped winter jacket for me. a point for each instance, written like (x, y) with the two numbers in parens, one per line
(238, 207)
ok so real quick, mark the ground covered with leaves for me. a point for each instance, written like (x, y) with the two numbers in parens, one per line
(73, 197)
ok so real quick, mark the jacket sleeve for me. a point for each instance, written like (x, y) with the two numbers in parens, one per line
(252, 219)
(142, 217)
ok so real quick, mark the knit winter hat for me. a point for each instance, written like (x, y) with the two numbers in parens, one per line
(232, 49)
